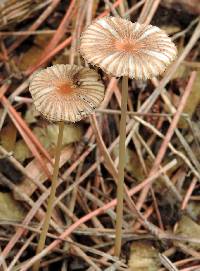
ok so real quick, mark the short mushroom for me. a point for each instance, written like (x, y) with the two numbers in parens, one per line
(129, 50)
(63, 93)
(66, 92)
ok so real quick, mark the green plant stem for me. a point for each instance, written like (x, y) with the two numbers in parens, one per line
(122, 154)
(51, 199)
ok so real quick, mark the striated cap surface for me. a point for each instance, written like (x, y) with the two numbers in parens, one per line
(66, 92)
(122, 48)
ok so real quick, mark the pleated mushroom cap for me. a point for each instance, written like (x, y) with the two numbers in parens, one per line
(122, 48)
(66, 92)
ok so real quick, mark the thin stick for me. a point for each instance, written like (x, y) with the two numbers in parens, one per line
(45, 227)
(168, 136)
(122, 150)
(132, 113)
(24, 33)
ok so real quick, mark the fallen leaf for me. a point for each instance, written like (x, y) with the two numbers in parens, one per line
(194, 208)
(181, 72)
(72, 133)
(62, 58)
(29, 58)
(43, 40)
(171, 29)
(10, 209)
(143, 257)
(32, 170)
(21, 151)
(133, 165)
(31, 115)
(48, 135)
(190, 229)
(8, 137)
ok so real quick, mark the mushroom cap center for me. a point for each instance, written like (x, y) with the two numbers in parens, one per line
(65, 88)
(127, 45)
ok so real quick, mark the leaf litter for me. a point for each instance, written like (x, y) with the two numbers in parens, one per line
(172, 205)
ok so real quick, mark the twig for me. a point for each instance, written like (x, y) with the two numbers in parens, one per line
(112, 8)
(189, 193)
(134, 8)
(133, 113)
(168, 136)
(167, 263)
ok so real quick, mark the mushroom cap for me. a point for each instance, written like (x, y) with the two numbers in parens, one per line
(122, 48)
(66, 92)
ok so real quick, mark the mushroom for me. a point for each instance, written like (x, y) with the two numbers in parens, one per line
(122, 48)
(129, 50)
(63, 93)
(66, 92)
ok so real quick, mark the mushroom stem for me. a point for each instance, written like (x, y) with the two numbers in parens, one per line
(51, 199)
(122, 152)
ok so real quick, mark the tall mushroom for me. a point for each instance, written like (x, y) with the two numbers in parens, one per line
(129, 50)
(63, 93)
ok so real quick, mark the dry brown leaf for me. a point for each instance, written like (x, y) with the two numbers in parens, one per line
(29, 58)
(190, 229)
(194, 208)
(8, 137)
(42, 40)
(31, 115)
(49, 134)
(21, 151)
(143, 257)
(28, 187)
(10, 209)
(171, 29)
(181, 72)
